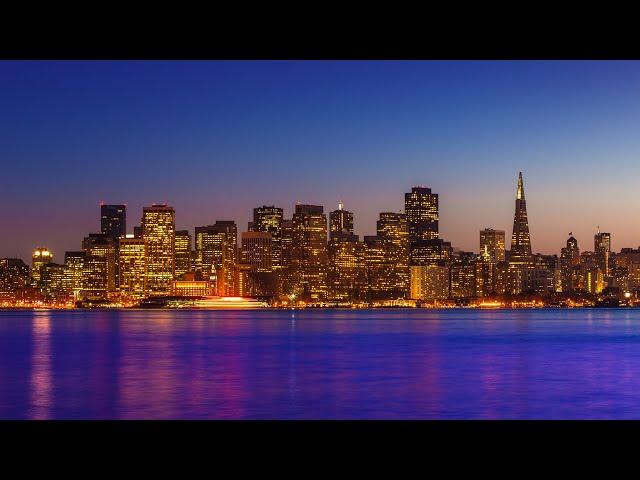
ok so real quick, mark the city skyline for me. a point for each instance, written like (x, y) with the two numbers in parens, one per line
(217, 139)
(289, 212)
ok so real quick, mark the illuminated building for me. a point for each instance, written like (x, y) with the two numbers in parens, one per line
(216, 255)
(346, 276)
(41, 256)
(285, 275)
(260, 279)
(485, 273)
(569, 258)
(376, 267)
(462, 275)
(113, 220)
(14, 276)
(74, 263)
(96, 245)
(429, 282)
(113, 224)
(269, 219)
(256, 250)
(545, 273)
(53, 280)
(493, 242)
(309, 252)
(189, 287)
(602, 250)
(182, 253)
(94, 277)
(392, 230)
(520, 257)
(421, 209)
(426, 252)
(131, 261)
(340, 222)
(158, 231)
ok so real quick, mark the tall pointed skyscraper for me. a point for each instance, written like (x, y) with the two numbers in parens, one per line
(520, 258)
(520, 239)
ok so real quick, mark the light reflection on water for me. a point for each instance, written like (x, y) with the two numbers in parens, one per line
(318, 364)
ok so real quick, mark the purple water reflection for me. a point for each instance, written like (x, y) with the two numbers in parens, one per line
(320, 364)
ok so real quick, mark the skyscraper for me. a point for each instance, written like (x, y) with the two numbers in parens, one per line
(41, 256)
(309, 252)
(520, 257)
(182, 253)
(602, 250)
(421, 208)
(132, 266)
(256, 250)
(269, 219)
(216, 254)
(158, 231)
(394, 235)
(340, 222)
(493, 242)
(113, 220)
(74, 263)
(101, 245)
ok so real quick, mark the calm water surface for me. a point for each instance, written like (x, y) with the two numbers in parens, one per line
(320, 364)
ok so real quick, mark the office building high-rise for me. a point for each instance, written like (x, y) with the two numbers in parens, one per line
(602, 251)
(158, 232)
(340, 222)
(269, 219)
(131, 259)
(182, 253)
(41, 256)
(492, 241)
(217, 255)
(101, 245)
(421, 208)
(393, 232)
(113, 220)
(346, 272)
(520, 256)
(74, 263)
(309, 252)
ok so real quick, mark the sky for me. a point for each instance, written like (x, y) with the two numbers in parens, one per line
(216, 139)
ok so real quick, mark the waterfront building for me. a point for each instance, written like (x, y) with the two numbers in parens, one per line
(158, 232)
(74, 265)
(182, 253)
(259, 279)
(309, 252)
(347, 275)
(392, 230)
(190, 287)
(14, 276)
(100, 244)
(462, 275)
(131, 260)
(429, 282)
(217, 255)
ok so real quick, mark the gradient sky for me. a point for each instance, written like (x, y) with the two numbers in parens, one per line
(215, 139)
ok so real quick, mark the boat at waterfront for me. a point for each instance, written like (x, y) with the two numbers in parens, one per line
(210, 302)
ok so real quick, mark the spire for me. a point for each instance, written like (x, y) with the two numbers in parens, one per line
(340, 205)
(520, 193)
(520, 239)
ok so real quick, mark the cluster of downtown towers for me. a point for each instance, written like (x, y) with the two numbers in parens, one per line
(307, 259)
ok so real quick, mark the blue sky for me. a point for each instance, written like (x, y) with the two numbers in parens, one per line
(215, 139)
